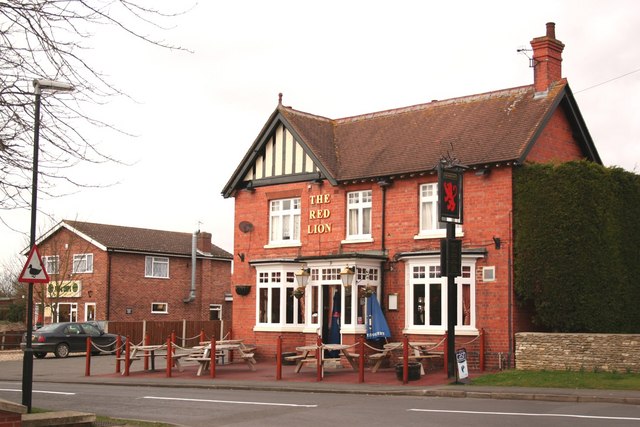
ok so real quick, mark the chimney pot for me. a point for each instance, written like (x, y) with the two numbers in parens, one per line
(551, 30)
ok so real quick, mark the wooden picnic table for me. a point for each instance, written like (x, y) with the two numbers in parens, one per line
(203, 354)
(418, 352)
(148, 351)
(307, 355)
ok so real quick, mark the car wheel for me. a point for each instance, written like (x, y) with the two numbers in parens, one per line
(62, 350)
(39, 355)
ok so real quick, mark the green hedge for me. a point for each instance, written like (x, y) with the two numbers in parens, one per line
(577, 246)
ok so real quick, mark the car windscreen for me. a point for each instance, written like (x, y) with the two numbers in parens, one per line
(91, 329)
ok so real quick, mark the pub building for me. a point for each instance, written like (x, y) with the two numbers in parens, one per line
(330, 212)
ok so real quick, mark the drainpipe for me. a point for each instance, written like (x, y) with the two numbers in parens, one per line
(383, 183)
(194, 247)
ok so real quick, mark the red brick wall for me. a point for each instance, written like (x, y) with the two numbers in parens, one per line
(123, 273)
(556, 143)
(9, 419)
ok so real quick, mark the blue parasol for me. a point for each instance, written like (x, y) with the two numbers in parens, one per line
(377, 327)
(334, 329)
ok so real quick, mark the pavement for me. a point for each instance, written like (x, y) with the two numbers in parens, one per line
(336, 380)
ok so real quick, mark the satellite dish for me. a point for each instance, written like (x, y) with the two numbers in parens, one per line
(245, 226)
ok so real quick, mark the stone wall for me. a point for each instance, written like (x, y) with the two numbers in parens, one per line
(575, 352)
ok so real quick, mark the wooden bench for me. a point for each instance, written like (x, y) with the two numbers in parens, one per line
(131, 360)
(294, 358)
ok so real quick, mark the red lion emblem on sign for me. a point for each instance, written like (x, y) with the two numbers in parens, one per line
(450, 192)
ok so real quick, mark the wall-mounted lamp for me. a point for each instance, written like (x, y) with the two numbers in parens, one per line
(346, 275)
(496, 242)
(241, 256)
(90, 293)
(483, 172)
(302, 276)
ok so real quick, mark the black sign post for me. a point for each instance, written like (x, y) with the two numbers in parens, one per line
(450, 211)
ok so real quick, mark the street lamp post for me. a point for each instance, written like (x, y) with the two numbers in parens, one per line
(27, 362)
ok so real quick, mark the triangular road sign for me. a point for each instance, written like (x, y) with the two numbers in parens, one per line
(34, 271)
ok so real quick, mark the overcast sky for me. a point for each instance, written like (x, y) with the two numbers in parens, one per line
(196, 114)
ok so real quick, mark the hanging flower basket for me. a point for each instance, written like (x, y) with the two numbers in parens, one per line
(298, 293)
(243, 290)
(367, 291)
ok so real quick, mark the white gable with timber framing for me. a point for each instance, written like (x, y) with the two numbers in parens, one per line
(281, 155)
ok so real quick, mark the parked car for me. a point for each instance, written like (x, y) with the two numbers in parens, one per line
(69, 337)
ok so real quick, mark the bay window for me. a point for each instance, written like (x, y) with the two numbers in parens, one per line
(426, 296)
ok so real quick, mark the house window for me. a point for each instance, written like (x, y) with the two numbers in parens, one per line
(359, 215)
(51, 264)
(215, 311)
(83, 263)
(488, 274)
(429, 209)
(429, 224)
(277, 305)
(284, 221)
(159, 308)
(156, 267)
(427, 297)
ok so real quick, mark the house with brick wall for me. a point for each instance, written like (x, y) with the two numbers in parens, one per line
(315, 195)
(116, 273)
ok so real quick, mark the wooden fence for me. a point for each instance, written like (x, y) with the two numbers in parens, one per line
(187, 331)
(10, 340)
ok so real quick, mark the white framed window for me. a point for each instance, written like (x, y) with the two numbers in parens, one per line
(429, 224)
(159, 308)
(284, 221)
(489, 274)
(83, 263)
(89, 311)
(359, 215)
(215, 311)
(276, 306)
(157, 267)
(426, 296)
(51, 264)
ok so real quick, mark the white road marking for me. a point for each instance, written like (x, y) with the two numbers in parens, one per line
(40, 391)
(238, 402)
(524, 414)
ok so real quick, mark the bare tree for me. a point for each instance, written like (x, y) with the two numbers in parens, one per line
(47, 39)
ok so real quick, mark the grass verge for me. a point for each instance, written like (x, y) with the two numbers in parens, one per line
(561, 379)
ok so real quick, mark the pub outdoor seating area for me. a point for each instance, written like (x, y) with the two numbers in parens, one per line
(384, 361)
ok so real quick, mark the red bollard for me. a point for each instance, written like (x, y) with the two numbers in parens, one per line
(405, 363)
(202, 337)
(127, 355)
(279, 358)
(212, 355)
(361, 360)
(118, 351)
(169, 357)
(146, 352)
(319, 359)
(87, 368)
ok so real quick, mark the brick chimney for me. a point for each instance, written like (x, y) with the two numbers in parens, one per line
(547, 59)
(204, 242)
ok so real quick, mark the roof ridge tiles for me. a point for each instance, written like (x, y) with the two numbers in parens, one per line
(422, 106)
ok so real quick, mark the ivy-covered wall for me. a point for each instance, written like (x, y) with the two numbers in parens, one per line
(577, 246)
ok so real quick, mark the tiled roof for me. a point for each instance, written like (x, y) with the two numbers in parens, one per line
(485, 128)
(119, 238)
